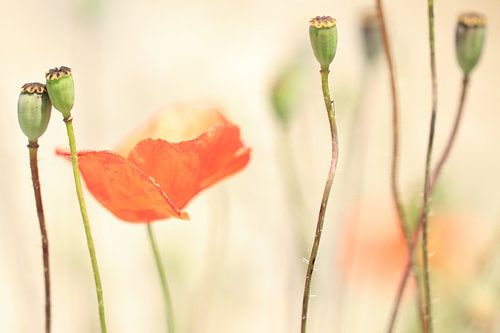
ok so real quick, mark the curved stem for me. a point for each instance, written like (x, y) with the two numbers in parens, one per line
(395, 150)
(435, 175)
(33, 151)
(454, 131)
(395, 122)
(330, 108)
(163, 280)
(86, 224)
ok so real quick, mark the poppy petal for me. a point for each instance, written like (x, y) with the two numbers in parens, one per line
(175, 123)
(185, 168)
(123, 188)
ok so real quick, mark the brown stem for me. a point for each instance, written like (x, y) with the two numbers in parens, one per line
(395, 121)
(435, 175)
(395, 148)
(326, 194)
(33, 151)
(454, 131)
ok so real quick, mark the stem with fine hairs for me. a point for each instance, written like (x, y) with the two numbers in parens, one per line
(33, 152)
(427, 180)
(395, 149)
(167, 299)
(330, 108)
(435, 175)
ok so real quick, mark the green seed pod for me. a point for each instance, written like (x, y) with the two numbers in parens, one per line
(61, 89)
(323, 35)
(370, 33)
(469, 40)
(33, 110)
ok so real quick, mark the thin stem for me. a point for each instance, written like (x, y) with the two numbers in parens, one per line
(86, 224)
(330, 108)
(427, 182)
(163, 280)
(454, 131)
(395, 122)
(33, 151)
(294, 191)
(435, 175)
(395, 150)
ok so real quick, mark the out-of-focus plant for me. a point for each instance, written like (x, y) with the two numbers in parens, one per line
(469, 40)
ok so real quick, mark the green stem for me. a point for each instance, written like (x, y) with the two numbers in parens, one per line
(428, 179)
(33, 150)
(330, 108)
(294, 192)
(163, 280)
(85, 219)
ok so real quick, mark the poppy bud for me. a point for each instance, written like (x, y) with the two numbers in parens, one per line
(33, 110)
(323, 35)
(371, 36)
(61, 89)
(469, 40)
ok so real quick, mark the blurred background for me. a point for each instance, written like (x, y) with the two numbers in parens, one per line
(238, 265)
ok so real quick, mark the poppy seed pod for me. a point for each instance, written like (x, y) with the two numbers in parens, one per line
(61, 89)
(469, 40)
(323, 35)
(33, 110)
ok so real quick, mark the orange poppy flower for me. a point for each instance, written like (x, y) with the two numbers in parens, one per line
(161, 166)
(373, 250)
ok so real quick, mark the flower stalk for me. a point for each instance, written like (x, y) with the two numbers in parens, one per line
(33, 112)
(60, 87)
(323, 34)
(167, 299)
(86, 223)
(33, 153)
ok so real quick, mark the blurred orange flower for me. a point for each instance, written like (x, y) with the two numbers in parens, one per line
(178, 153)
(373, 250)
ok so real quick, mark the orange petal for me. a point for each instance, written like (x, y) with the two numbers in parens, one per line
(183, 169)
(175, 123)
(123, 188)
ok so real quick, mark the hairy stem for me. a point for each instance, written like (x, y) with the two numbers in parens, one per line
(427, 192)
(169, 313)
(86, 224)
(33, 152)
(330, 108)
(435, 175)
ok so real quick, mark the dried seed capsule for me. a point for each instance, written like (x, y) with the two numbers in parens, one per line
(61, 89)
(323, 35)
(469, 40)
(33, 110)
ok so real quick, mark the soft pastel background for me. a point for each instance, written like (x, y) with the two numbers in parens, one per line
(235, 267)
